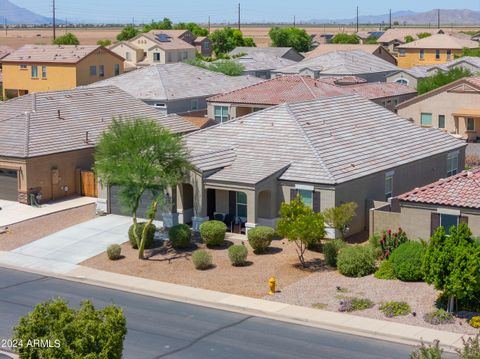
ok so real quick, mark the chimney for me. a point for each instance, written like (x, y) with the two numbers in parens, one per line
(34, 101)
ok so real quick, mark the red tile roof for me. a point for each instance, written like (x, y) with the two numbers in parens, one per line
(461, 190)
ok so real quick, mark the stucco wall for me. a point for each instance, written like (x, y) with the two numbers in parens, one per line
(136, 55)
(99, 57)
(412, 58)
(411, 81)
(21, 167)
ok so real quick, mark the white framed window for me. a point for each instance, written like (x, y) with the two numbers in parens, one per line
(44, 72)
(470, 124)
(422, 54)
(447, 221)
(117, 69)
(441, 121)
(437, 54)
(425, 119)
(449, 55)
(452, 164)
(402, 81)
(156, 56)
(402, 52)
(23, 67)
(389, 184)
(93, 70)
(34, 71)
(307, 197)
(241, 205)
(160, 105)
(101, 71)
(220, 113)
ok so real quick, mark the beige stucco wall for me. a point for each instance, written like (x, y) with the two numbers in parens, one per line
(412, 81)
(99, 57)
(136, 55)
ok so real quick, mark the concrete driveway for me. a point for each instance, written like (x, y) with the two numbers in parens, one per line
(62, 251)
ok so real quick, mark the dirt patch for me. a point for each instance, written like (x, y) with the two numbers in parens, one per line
(168, 265)
(25, 232)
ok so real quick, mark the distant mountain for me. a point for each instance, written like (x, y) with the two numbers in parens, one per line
(16, 15)
(457, 17)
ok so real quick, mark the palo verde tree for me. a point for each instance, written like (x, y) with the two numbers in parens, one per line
(452, 264)
(291, 37)
(139, 157)
(301, 225)
(67, 39)
(340, 217)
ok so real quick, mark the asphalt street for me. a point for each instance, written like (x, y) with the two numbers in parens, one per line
(166, 329)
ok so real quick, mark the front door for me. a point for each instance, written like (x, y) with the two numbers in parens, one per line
(211, 202)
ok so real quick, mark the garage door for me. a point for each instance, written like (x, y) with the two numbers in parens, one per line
(116, 207)
(8, 185)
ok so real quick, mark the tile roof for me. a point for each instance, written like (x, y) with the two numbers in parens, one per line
(297, 88)
(327, 140)
(341, 63)
(262, 58)
(326, 48)
(173, 33)
(51, 122)
(400, 34)
(173, 43)
(440, 41)
(176, 81)
(66, 54)
(461, 190)
(5, 50)
(261, 51)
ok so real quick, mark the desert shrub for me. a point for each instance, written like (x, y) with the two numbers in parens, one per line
(330, 250)
(238, 255)
(353, 304)
(356, 261)
(438, 317)
(180, 236)
(471, 348)
(475, 322)
(202, 259)
(150, 235)
(394, 309)
(374, 243)
(260, 238)
(114, 252)
(428, 351)
(407, 261)
(391, 241)
(385, 270)
(213, 233)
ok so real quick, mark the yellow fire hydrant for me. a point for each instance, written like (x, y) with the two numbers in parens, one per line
(271, 284)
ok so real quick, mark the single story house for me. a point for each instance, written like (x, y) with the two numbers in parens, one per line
(376, 50)
(177, 88)
(329, 151)
(49, 139)
(298, 88)
(446, 202)
(453, 108)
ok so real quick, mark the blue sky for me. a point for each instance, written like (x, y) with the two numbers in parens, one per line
(225, 10)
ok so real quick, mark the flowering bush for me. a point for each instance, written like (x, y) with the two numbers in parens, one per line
(391, 240)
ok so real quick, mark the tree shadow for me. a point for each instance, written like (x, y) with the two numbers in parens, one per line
(269, 251)
(246, 264)
(313, 265)
(225, 245)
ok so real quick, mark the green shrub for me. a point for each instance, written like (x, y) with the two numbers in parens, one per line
(385, 270)
(150, 235)
(374, 243)
(439, 316)
(213, 233)
(260, 238)
(353, 304)
(407, 261)
(238, 254)
(114, 252)
(180, 236)
(428, 351)
(471, 348)
(331, 249)
(202, 259)
(475, 322)
(394, 309)
(391, 241)
(356, 261)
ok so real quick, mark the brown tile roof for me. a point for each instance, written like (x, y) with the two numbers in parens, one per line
(66, 54)
(440, 41)
(461, 190)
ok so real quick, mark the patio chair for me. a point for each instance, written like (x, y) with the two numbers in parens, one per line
(229, 220)
(218, 217)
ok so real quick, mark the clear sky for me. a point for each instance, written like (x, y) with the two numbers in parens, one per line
(226, 10)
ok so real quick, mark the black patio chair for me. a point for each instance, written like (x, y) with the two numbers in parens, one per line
(229, 220)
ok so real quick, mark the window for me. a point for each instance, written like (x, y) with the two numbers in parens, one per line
(44, 72)
(23, 67)
(447, 221)
(206, 45)
(156, 56)
(422, 54)
(452, 164)
(470, 124)
(117, 69)
(307, 197)
(128, 56)
(389, 184)
(160, 105)
(194, 105)
(402, 82)
(441, 121)
(402, 52)
(34, 71)
(241, 205)
(449, 54)
(93, 70)
(101, 70)
(395, 102)
(426, 119)
(437, 54)
(221, 113)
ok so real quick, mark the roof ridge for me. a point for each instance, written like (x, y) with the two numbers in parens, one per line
(308, 87)
(307, 140)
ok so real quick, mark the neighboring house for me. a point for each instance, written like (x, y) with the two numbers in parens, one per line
(454, 108)
(298, 88)
(412, 76)
(328, 150)
(52, 136)
(432, 50)
(150, 48)
(376, 50)
(4, 51)
(260, 61)
(342, 63)
(476, 37)
(447, 202)
(177, 88)
(320, 39)
(392, 38)
(40, 68)
(202, 43)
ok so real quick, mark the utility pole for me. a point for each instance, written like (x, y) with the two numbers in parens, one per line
(390, 19)
(6, 27)
(53, 24)
(294, 21)
(209, 24)
(357, 18)
(238, 16)
(66, 25)
(438, 18)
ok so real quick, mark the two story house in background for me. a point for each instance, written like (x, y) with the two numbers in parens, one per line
(4, 51)
(40, 68)
(392, 38)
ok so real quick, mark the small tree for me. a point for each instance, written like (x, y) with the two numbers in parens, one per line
(227, 67)
(139, 156)
(408, 39)
(299, 224)
(440, 79)
(165, 24)
(345, 39)
(104, 43)
(340, 217)
(291, 37)
(192, 27)
(127, 33)
(452, 264)
(371, 40)
(67, 39)
(423, 35)
(226, 39)
(73, 333)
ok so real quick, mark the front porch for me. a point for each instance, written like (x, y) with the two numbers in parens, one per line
(467, 124)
